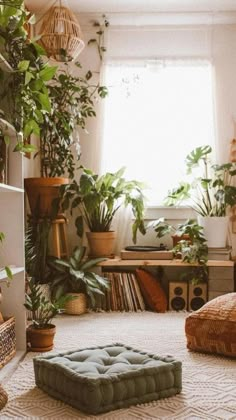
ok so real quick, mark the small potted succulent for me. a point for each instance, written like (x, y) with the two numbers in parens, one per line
(97, 199)
(74, 278)
(40, 334)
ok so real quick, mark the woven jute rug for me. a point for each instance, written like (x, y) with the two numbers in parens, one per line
(209, 382)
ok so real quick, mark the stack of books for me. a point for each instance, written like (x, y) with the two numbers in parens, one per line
(220, 254)
(124, 293)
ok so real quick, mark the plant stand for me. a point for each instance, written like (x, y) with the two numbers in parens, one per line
(59, 238)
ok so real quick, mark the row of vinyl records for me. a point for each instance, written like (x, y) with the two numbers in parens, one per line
(124, 293)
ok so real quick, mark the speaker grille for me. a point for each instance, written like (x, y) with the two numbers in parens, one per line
(178, 303)
(196, 303)
(178, 291)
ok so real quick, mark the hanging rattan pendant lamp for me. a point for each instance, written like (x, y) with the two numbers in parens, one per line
(61, 34)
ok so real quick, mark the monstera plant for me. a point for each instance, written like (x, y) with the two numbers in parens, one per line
(210, 191)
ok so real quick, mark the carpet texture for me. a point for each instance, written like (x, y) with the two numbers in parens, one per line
(209, 382)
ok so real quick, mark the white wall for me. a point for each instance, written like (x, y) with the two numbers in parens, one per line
(217, 42)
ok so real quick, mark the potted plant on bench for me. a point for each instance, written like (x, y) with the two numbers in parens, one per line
(190, 245)
(97, 199)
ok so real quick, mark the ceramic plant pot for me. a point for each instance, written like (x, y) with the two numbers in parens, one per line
(40, 339)
(215, 230)
(101, 244)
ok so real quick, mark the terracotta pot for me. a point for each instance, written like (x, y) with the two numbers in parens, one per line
(77, 305)
(101, 244)
(40, 339)
(176, 239)
(41, 192)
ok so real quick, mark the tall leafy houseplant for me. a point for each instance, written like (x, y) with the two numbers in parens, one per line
(25, 87)
(72, 102)
(98, 198)
(210, 192)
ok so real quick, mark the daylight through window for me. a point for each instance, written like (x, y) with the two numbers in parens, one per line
(155, 114)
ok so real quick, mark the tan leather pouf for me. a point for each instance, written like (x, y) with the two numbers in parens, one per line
(212, 329)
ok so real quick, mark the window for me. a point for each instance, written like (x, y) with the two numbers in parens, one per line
(155, 114)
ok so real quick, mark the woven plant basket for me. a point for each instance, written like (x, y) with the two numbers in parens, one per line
(76, 306)
(7, 341)
(60, 31)
(3, 397)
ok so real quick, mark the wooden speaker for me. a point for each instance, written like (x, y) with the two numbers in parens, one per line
(178, 295)
(197, 296)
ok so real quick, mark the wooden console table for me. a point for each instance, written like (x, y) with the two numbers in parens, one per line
(221, 273)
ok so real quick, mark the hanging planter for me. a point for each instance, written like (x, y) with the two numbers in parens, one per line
(60, 32)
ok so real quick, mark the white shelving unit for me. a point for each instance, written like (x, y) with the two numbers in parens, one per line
(12, 224)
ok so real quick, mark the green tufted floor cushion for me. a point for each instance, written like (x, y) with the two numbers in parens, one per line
(101, 379)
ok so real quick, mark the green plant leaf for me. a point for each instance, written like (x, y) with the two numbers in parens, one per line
(23, 65)
(28, 77)
(31, 127)
(44, 101)
(47, 73)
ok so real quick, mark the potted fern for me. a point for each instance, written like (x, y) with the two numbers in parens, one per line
(97, 199)
(209, 191)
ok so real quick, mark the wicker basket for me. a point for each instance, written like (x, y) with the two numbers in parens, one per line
(3, 397)
(76, 306)
(61, 31)
(7, 341)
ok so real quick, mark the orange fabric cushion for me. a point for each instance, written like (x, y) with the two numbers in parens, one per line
(212, 328)
(153, 294)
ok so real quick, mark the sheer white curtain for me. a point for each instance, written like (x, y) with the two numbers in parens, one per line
(157, 111)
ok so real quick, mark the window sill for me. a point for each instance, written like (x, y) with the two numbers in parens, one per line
(170, 213)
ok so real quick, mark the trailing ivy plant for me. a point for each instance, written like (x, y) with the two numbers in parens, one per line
(192, 250)
(26, 87)
(72, 103)
(99, 40)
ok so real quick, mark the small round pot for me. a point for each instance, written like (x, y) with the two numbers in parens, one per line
(40, 339)
(77, 305)
(176, 239)
(101, 244)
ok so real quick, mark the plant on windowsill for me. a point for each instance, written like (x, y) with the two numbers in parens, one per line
(97, 199)
(190, 246)
(75, 279)
(210, 191)
(40, 333)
